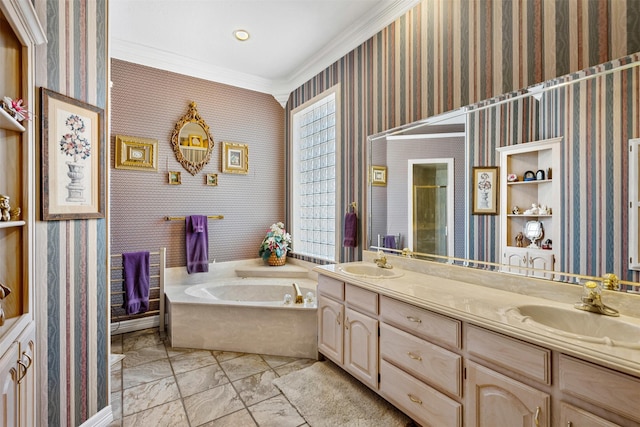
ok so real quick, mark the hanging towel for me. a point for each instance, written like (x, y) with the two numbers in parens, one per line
(350, 230)
(197, 233)
(390, 241)
(135, 267)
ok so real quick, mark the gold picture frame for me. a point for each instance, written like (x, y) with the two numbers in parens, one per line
(73, 158)
(196, 141)
(379, 176)
(235, 158)
(485, 190)
(136, 153)
(212, 179)
(175, 178)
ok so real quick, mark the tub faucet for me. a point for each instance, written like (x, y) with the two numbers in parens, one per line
(297, 294)
(591, 301)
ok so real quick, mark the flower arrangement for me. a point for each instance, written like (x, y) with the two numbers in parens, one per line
(15, 108)
(276, 241)
(74, 144)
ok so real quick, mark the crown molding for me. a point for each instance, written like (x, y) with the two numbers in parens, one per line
(370, 25)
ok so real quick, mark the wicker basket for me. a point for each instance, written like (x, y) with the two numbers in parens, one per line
(275, 261)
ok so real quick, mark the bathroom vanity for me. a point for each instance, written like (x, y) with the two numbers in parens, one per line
(453, 347)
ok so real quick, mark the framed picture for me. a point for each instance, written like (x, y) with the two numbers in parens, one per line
(485, 190)
(235, 158)
(379, 175)
(73, 158)
(175, 178)
(136, 153)
(212, 179)
(195, 141)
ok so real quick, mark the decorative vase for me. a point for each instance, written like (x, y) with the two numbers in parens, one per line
(75, 187)
(275, 260)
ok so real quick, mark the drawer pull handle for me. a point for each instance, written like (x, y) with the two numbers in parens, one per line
(29, 359)
(414, 399)
(414, 319)
(24, 371)
(346, 323)
(537, 417)
(413, 356)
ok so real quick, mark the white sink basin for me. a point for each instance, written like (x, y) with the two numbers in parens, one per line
(369, 271)
(582, 325)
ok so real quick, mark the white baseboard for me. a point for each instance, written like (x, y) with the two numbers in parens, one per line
(134, 325)
(101, 419)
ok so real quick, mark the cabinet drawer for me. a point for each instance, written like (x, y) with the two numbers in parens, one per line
(361, 298)
(331, 287)
(422, 403)
(518, 356)
(420, 322)
(576, 417)
(611, 390)
(428, 362)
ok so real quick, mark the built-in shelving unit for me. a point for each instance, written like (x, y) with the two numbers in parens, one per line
(540, 159)
(634, 204)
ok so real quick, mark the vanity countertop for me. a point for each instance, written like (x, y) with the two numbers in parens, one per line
(493, 308)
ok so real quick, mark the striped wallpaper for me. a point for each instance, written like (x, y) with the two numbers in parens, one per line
(446, 54)
(71, 256)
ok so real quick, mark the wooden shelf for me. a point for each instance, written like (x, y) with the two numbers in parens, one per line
(8, 224)
(8, 122)
(529, 216)
(535, 181)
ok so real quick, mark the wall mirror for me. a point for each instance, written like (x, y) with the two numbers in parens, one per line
(191, 140)
(594, 224)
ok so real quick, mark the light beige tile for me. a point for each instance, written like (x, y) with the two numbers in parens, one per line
(240, 418)
(116, 380)
(294, 366)
(200, 379)
(177, 351)
(144, 355)
(140, 339)
(244, 366)
(146, 373)
(190, 361)
(145, 396)
(116, 405)
(275, 361)
(276, 412)
(256, 388)
(169, 414)
(226, 355)
(212, 404)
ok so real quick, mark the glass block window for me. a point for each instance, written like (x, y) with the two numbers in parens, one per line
(314, 177)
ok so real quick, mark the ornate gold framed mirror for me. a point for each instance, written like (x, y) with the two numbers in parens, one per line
(191, 140)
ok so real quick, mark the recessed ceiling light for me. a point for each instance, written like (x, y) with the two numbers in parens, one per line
(241, 35)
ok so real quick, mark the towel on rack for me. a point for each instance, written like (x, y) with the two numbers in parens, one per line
(350, 230)
(135, 267)
(197, 240)
(390, 241)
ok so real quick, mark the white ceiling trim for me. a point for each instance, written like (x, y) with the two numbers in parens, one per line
(370, 24)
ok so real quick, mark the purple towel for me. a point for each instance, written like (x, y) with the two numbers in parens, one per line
(390, 241)
(350, 230)
(197, 233)
(136, 282)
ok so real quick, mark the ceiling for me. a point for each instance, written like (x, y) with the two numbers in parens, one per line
(291, 40)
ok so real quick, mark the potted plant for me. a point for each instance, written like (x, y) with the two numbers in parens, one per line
(275, 245)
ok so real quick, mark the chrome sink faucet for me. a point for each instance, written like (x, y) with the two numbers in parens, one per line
(591, 301)
(381, 261)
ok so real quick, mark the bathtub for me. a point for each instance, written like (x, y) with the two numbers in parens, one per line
(247, 315)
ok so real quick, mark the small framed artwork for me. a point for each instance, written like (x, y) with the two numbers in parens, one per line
(73, 158)
(235, 158)
(195, 141)
(212, 179)
(379, 175)
(136, 153)
(175, 178)
(485, 190)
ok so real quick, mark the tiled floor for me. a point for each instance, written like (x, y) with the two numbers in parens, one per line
(157, 385)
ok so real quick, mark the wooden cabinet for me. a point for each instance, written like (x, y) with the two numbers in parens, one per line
(536, 195)
(9, 387)
(570, 416)
(330, 329)
(17, 382)
(494, 399)
(634, 204)
(361, 347)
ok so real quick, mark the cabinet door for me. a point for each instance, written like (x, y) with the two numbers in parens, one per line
(496, 400)
(516, 261)
(571, 416)
(361, 347)
(9, 387)
(543, 261)
(330, 332)
(27, 377)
